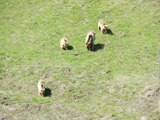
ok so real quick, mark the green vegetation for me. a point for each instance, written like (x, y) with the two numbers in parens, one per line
(85, 85)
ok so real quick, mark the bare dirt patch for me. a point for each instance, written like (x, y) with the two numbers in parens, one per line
(146, 104)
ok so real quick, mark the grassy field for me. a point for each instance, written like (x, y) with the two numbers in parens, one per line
(106, 84)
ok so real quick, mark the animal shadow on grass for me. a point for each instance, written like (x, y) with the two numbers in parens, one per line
(109, 31)
(98, 47)
(69, 47)
(48, 92)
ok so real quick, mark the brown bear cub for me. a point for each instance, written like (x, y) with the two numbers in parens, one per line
(64, 43)
(89, 42)
(41, 88)
(102, 26)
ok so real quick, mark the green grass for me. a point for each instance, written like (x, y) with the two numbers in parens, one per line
(83, 83)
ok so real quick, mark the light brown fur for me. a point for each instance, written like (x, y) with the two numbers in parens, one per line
(90, 38)
(41, 87)
(64, 43)
(102, 26)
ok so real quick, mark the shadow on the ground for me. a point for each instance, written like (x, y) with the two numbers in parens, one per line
(48, 92)
(98, 47)
(69, 47)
